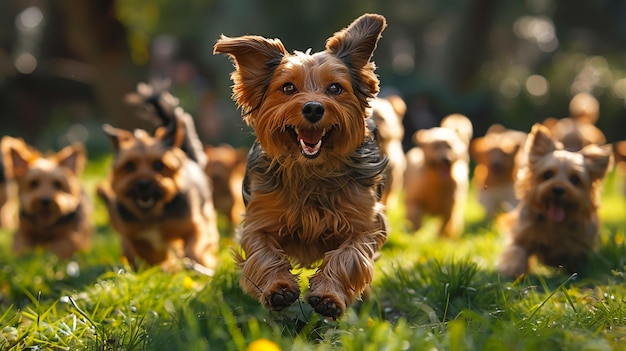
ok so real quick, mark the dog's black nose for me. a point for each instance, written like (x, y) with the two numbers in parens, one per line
(143, 185)
(45, 202)
(558, 191)
(313, 111)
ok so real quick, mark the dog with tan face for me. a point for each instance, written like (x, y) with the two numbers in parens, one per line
(556, 219)
(436, 180)
(158, 196)
(54, 212)
(313, 177)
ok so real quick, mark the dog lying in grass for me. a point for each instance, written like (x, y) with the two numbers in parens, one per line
(436, 180)
(556, 219)
(54, 212)
(314, 174)
(158, 195)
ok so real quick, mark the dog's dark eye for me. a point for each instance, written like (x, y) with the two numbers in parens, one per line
(574, 179)
(158, 165)
(289, 89)
(129, 166)
(57, 185)
(33, 184)
(334, 89)
(547, 175)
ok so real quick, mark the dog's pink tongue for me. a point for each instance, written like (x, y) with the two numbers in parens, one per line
(556, 213)
(310, 136)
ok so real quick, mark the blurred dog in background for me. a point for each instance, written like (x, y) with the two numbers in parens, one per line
(436, 180)
(158, 195)
(496, 155)
(54, 212)
(388, 113)
(556, 219)
(226, 167)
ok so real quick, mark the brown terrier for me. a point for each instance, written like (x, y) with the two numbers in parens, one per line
(436, 180)
(53, 209)
(226, 167)
(314, 174)
(556, 219)
(387, 114)
(497, 160)
(158, 196)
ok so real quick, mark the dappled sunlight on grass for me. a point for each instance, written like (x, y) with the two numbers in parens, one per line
(428, 293)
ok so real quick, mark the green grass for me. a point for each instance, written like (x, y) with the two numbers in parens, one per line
(428, 294)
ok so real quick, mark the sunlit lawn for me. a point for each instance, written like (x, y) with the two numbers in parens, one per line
(428, 294)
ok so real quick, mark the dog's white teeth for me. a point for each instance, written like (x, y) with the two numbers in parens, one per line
(310, 150)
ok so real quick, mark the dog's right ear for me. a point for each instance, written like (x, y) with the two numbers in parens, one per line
(118, 136)
(17, 155)
(255, 60)
(539, 142)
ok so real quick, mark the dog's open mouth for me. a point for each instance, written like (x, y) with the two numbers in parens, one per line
(145, 202)
(556, 211)
(145, 194)
(310, 140)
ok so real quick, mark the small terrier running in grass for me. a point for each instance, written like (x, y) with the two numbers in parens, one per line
(158, 195)
(497, 158)
(556, 219)
(313, 176)
(436, 180)
(54, 212)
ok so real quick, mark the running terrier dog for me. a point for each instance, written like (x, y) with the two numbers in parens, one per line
(556, 219)
(314, 174)
(436, 180)
(158, 195)
(54, 211)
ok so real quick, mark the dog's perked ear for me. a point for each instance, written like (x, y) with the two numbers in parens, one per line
(598, 159)
(118, 136)
(72, 157)
(17, 155)
(355, 46)
(255, 60)
(539, 142)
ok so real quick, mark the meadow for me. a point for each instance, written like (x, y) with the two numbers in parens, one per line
(428, 294)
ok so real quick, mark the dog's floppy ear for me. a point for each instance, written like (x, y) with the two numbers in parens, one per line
(17, 154)
(255, 60)
(355, 45)
(539, 142)
(598, 159)
(118, 136)
(73, 157)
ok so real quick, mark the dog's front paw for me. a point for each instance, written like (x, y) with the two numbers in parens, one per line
(281, 296)
(328, 306)
(513, 262)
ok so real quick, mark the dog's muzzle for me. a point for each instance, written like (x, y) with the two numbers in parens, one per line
(146, 193)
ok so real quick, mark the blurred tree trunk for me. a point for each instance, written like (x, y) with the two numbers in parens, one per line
(469, 44)
(92, 32)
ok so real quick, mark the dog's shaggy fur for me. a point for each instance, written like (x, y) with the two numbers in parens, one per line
(313, 176)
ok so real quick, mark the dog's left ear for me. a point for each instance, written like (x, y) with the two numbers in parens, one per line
(598, 160)
(73, 157)
(539, 142)
(355, 45)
